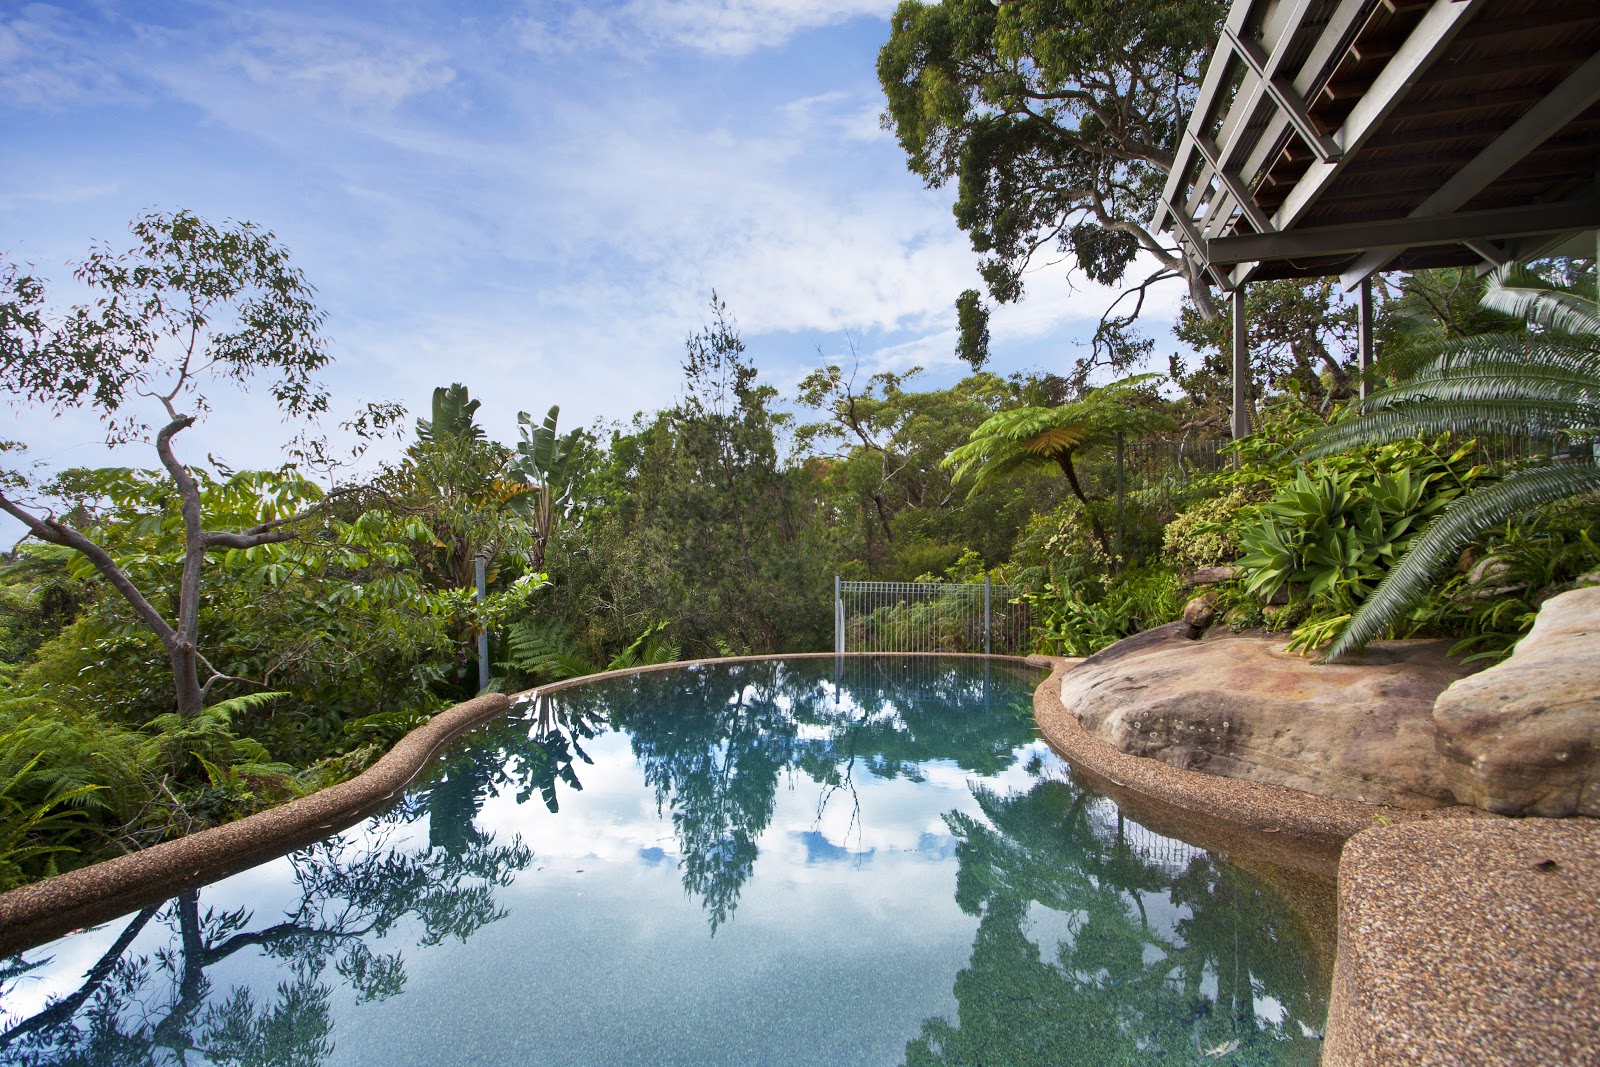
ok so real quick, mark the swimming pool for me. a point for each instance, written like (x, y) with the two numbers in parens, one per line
(808, 861)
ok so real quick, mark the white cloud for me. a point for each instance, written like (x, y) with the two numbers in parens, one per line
(718, 27)
(60, 194)
(738, 27)
(356, 72)
(44, 61)
(840, 114)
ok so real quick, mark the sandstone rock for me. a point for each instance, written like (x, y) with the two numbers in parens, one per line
(1200, 613)
(1523, 737)
(1211, 575)
(1487, 578)
(1238, 705)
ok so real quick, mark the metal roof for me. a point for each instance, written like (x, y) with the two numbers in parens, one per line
(1351, 136)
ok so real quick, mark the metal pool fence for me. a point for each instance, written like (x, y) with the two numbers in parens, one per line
(930, 617)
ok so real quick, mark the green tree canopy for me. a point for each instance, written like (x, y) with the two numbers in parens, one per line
(190, 304)
(1058, 121)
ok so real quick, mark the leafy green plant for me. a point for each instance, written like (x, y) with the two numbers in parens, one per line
(542, 650)
(1540, 381)
(30, 826)
(1082, 619)
(1525, 563)
(1203, 535)
(1333, 531)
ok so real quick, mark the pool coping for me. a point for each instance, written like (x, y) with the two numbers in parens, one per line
(1463, 936)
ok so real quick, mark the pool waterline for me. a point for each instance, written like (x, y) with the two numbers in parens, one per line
(759, 860)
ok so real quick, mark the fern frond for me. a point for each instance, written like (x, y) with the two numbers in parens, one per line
(244, 702)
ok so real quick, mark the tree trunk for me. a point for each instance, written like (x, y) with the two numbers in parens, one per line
(1064, 460)
(183, 645)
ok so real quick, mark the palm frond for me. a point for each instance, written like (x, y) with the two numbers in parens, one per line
(1428, 420)
(1553, 362)
(1455, 528)
(1519, 292)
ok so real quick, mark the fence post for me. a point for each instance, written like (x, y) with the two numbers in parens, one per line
(1120, 535)
(478, 564)
(838, 618)
(988, 625)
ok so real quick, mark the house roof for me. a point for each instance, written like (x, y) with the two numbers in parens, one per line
(1344, 137)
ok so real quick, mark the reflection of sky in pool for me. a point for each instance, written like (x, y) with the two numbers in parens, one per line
(765, 864)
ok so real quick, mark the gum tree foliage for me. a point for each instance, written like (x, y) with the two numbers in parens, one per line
(881, 443)
(691, 517)
(1302, 338)
(191, 306)
(1057, 122)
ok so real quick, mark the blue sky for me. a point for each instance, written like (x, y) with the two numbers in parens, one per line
(532, 198)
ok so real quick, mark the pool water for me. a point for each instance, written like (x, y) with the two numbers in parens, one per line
(810, 861)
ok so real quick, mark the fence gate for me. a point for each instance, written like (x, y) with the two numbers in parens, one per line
(929, 617)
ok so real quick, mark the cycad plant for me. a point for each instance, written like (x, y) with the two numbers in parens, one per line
(1542, 381)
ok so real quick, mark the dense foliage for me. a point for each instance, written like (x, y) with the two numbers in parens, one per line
(325, 614)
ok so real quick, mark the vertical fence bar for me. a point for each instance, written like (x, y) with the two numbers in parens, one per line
(838, 617)
(988, 616)
(479, 562)
(916, 617)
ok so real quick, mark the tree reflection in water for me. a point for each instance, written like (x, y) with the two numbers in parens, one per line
(156, 1006)
(1090, 947)
(715, 743)
(1207, 980)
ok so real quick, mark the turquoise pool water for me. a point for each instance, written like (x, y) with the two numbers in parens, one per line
(784, 862)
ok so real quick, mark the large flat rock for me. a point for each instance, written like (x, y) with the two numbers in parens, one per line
(1240, 706)
(1523, 737)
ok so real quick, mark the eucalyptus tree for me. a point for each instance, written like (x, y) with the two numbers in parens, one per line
(884, 441)
(1057, 121)
(188, 307)
(703, 524)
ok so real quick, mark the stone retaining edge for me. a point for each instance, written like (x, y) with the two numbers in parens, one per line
(1288, 814)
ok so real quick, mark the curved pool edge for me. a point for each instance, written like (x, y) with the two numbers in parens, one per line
(1463, 936)
(44, 910)
(1227, 815)
(1468, 943)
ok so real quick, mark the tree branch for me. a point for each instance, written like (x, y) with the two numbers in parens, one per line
(59, 533)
